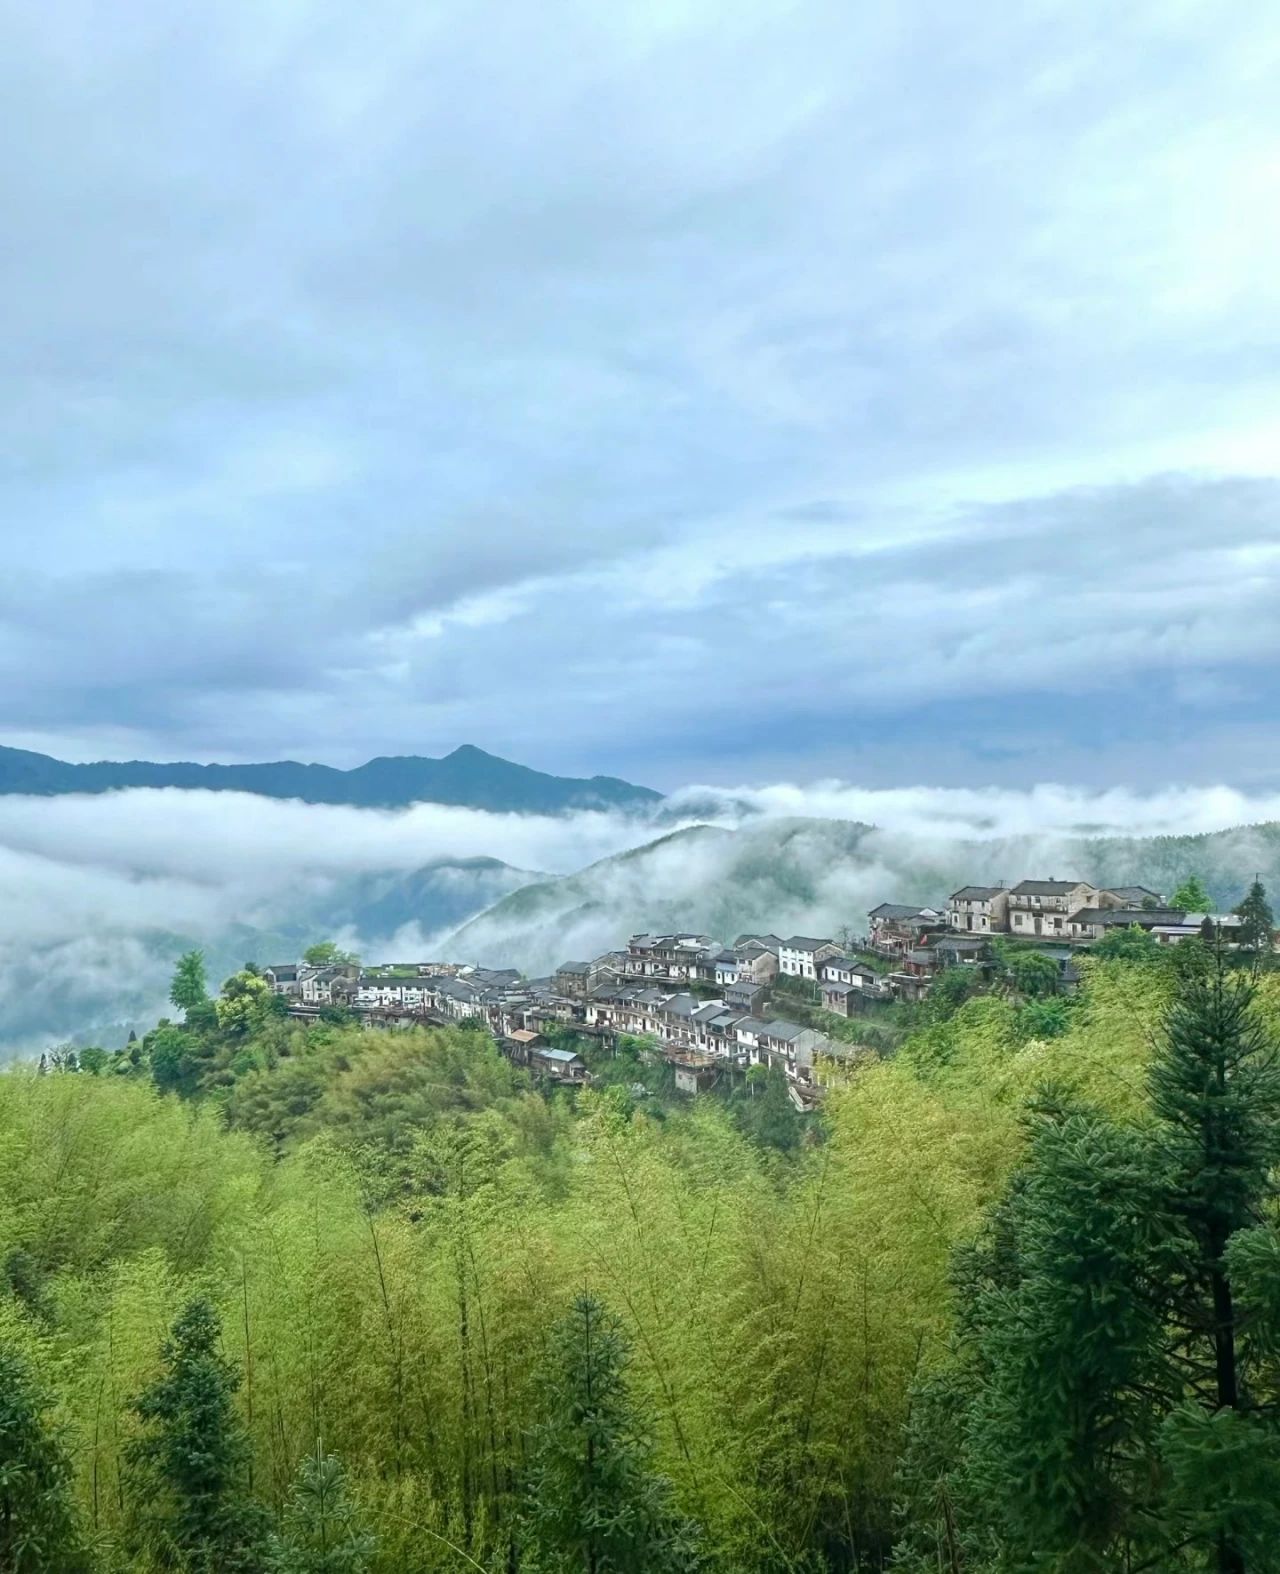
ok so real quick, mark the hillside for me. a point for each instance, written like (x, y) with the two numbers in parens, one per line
(818, 876)
(468, 777)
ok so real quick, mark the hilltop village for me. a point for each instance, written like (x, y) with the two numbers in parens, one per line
(707, 1006)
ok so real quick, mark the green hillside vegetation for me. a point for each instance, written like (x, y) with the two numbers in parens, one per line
(286, 1298)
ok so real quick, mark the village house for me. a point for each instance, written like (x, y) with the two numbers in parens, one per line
(725, 964)
(317, 984)
(695, 1077)
(674, 957)
(1042, 907)
(376, 991)
(952, 950)
(559, 1065)
(979, 909)
(571, 979)
(841, 969)
(283, 978)
(757, 960)
(801, 956)
(896, 928)
(744, 996)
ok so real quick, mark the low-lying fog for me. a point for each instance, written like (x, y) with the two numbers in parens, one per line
(101, 892)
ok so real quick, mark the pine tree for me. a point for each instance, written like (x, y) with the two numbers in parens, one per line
(192, 1459)
(190, 987)
(1062, 1425)
(321, 1532)
(1257, 921)
(594, 1502)
(1216, 1089)
(38, 1531)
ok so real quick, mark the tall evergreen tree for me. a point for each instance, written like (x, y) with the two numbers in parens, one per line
(1257, 921)
(594, 1502)
(38, 1531)
(192, 1459)
(1215, 1087)
(1062, 1425)
(321, 1531)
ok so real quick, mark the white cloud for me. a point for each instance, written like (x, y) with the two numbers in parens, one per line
(92, 881)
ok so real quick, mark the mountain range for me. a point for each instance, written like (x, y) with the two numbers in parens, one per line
(817, 877)
(468, 777)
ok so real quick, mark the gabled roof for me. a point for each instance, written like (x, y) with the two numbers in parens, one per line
(574, 967)
(805, 943)
(898, 910)
(1135, 894)
(1046, 887)
(975, 893)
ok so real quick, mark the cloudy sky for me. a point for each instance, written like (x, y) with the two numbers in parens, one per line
(690, 391)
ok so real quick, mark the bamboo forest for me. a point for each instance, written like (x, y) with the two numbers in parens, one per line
(307, 1297)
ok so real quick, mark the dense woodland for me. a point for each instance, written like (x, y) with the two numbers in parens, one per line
(280, 1298)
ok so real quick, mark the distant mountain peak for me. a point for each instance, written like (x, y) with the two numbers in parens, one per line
(467, 778)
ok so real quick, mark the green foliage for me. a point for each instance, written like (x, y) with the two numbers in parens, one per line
(244, 1004)
(765, 1111)
(594, 1500)
(1032, 974)
(38, 1529)
(190, 987)
(1131, 944)
(1112, 1392)
(1258, 924)
(1191, 896)
(321, 1531)
(192, 1458)
(919, 1298)
(326, 954)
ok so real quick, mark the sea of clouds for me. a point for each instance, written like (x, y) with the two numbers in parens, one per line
(99, 889)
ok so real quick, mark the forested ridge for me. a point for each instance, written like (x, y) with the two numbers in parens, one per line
(316, 1298)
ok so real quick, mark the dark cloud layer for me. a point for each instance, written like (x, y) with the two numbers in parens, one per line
(688, 391)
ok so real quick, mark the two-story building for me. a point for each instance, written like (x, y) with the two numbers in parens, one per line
(801, 956)
(1042, 907)
(979, 910)
(676, 957)
(897, 928)
(570, 979)
(757, 961)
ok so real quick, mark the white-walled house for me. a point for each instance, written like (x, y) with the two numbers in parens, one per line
(801, 956)
(979, 910)
(1043, 907)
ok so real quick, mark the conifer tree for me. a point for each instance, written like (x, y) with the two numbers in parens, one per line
(1257, 921)
(38, 1531)
(1063, 1423)
(1216, 1089)
(321, 1532)
(594, 1502)
(191, 1461)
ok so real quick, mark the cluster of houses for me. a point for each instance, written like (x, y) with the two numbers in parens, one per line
(707, 1006)
(703, 1006)
(1066, 914)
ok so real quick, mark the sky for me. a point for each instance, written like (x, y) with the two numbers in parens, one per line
(691, 392)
